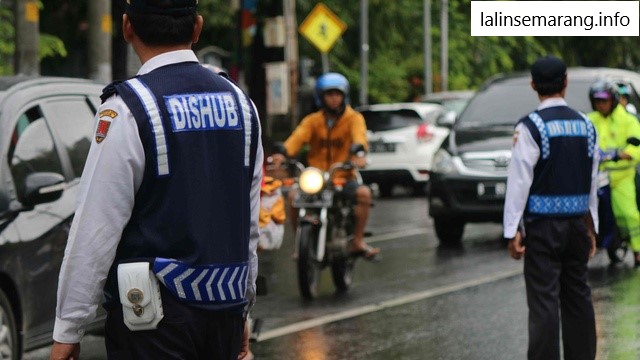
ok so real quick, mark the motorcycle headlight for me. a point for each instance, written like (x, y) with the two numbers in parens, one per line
(311, 180)
(443, 163)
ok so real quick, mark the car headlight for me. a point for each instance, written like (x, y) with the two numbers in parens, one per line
(311, 180)
(443, 163)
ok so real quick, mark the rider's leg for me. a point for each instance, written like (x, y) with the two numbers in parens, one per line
(361, 210)
(623, 202)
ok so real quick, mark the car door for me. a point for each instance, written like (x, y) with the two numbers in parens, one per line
(52, 135)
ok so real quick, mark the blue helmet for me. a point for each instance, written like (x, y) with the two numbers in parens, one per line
(331, 81)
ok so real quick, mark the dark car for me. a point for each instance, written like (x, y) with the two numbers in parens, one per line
(46, 128)
(469, 173)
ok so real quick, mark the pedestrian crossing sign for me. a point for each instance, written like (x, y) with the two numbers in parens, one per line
(322, 27)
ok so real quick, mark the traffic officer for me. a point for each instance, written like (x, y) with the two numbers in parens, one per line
(614, 126)
(551, 211)
(167, 217)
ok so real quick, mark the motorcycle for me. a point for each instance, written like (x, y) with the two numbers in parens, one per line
(325, 228)
(610, 238)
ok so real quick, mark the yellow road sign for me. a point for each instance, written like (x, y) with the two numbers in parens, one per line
(322, 27)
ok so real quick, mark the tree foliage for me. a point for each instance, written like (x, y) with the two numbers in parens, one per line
(396, 43)
(48, 46)
(397, 48)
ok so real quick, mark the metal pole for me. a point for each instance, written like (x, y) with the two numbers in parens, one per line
(444, 45)
(325, 62)
(99, 55)
(27, 20)
(364, 51)
(428, 76)
(291, 56)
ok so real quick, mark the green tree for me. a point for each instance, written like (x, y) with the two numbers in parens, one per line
(49, 45)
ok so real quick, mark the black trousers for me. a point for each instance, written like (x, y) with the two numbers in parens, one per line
(555, 271)
(185, 332)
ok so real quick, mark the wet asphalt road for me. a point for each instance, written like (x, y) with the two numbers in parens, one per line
(420, 301)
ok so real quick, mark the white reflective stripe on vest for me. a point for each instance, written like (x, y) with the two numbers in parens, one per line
(246, 117)
(151, 106)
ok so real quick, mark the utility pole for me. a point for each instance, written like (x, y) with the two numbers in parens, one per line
(444, 45)
(428, 76)
(291, 57)
(100, 27)
(27, 19)
(364, 51)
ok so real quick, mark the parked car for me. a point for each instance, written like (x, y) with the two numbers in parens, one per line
(402, 140)
(454, 100)
(46, 129)
(468, 178)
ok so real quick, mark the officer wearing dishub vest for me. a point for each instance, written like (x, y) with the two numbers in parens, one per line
(551, 214)
(166, 227)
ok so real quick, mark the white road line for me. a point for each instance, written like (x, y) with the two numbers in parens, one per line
(396, 234)
(407, 299)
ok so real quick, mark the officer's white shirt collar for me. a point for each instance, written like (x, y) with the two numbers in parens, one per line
(552, 102)
(167, 58)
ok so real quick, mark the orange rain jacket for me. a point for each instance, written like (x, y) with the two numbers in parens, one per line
(328, 146)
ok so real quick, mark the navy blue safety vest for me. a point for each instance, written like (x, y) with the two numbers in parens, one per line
(562, 176)
(200, 134)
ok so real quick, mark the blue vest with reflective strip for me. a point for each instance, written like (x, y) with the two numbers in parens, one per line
(200, 134)
(562, 176)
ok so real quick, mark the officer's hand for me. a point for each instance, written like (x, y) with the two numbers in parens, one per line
(516, 249)
(245, 353)
(61, 351)
(592, 251)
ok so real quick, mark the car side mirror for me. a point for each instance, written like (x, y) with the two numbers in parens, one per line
(447, 119)
(42, 187)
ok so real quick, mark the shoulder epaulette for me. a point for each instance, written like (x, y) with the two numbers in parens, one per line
(109, 90)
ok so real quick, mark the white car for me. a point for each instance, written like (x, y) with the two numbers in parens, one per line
(403, 137)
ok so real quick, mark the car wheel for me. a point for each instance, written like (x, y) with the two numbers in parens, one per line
(9, 345)
(385, 189)
(419, 189)
(449, 231)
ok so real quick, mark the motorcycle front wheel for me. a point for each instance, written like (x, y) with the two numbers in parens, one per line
(342, 272)
(308, 265)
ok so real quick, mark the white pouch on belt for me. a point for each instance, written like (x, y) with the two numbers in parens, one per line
(140, 296)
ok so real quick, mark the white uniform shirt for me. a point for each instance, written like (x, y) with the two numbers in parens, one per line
(112, 175)
(524, 157)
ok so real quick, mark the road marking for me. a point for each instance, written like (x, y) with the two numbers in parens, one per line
(396, 234)
(407, 299)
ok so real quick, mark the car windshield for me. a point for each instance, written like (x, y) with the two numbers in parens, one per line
(505, 102)
(390, 119)
(455, 105)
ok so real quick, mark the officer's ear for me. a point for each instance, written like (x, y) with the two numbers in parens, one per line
(127, 29)
(197, 29)
(533, 86)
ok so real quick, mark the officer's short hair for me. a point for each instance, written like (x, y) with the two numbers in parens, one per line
(548, 74)
(162, 22)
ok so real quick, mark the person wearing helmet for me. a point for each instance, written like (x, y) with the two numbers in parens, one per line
(624, 99)
(332, 133)
(614, 125)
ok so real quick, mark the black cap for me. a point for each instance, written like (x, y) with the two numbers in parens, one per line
(548, 70)
(162, 7)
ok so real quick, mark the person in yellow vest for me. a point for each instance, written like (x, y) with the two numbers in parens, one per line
(614, 125)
